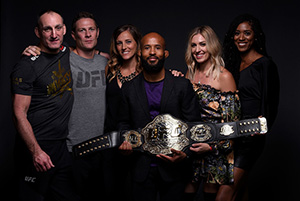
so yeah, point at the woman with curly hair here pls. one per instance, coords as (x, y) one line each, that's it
(257, 79)
(216, 89)
(123, 66)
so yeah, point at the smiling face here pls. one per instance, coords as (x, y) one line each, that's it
(86, 34)
(126, 45)
(51, 31)
(153, 52)
(199, 49)
(153, 48)
(244, 37)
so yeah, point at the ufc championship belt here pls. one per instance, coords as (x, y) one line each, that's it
(165, 132)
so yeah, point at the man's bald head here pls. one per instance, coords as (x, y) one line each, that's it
(153, 53)
(153, 36)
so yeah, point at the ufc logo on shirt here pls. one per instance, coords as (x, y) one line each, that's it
(90, 79)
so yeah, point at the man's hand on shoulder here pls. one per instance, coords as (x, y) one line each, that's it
(32, 51)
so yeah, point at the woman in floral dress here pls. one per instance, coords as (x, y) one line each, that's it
(216, 90)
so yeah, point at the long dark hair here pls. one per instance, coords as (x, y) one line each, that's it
(232, 56)
(116, 60)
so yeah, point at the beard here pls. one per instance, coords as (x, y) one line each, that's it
(152, 69)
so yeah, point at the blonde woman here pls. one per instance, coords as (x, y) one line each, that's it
(216, 90)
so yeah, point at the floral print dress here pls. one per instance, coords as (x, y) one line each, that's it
(216, 106)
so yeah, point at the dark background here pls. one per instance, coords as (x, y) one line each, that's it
(276, 174)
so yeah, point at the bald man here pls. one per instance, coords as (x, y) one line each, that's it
(156, 91)
(42, 102)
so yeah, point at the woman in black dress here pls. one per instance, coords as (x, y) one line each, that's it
(257, 79)
(123, 66)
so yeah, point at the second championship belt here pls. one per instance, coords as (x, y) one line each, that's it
(165, 132)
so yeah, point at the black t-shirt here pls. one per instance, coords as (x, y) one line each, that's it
(47, 79)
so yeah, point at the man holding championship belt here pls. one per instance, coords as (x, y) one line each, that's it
(160, 117)
(156, 91)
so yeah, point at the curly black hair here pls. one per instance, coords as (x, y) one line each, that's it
(231, 54)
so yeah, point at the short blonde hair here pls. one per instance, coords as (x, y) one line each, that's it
(214, 48)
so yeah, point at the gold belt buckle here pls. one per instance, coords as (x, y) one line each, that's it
(163, 133)
(201, 133)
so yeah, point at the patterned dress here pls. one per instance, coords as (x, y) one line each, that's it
(216, 106)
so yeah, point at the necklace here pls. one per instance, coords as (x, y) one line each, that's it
(125, 78)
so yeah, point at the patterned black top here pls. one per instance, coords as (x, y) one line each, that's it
(216, 107)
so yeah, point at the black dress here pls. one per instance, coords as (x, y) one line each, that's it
(121, 165)
(113, 99)
(259, 95)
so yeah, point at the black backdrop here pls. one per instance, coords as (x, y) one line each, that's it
(275, 176)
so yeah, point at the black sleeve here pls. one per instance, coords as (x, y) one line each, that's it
(190, 105)
(22, 77)
(271, 92)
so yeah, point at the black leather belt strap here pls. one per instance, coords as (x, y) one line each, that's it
(166, 132)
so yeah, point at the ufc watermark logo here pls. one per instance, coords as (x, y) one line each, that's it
(30, 179)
